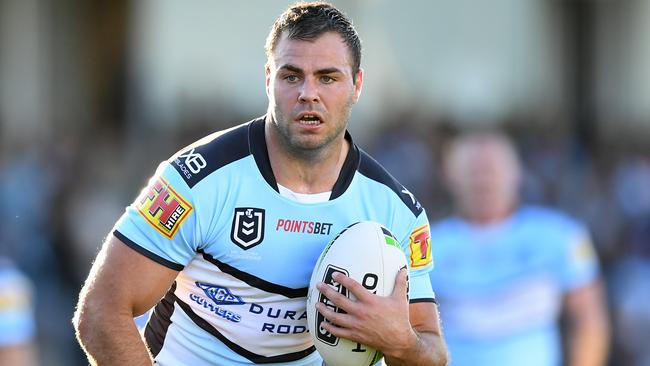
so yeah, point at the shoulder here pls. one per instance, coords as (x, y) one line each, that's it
(374, 171)
(553, 220)
(447, 226)
(198, 160)
(547, 214)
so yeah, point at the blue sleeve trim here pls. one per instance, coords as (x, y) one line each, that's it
(154, 257)
(425, 299)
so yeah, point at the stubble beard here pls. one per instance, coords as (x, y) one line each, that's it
(306, 146)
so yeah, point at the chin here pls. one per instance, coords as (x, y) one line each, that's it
(308, 142)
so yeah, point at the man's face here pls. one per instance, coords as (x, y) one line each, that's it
(311, 91)
(484, 178)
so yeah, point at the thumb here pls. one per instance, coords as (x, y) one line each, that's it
(401, 284)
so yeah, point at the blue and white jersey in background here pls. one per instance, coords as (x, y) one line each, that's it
(246, 253)
(17, 322)
(500, 287)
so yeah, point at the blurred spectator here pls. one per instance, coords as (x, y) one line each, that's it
(506, 273)
(629, 276)
(398, 149)
(30, 178)
(632, 186)
(630, 294)
(17, 323)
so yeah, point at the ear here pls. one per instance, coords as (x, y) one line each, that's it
(267, 78)
(358, 85)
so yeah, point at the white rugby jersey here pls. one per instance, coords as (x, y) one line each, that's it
(245, 253)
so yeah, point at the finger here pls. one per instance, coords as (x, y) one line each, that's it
(337, 331)
(401, 284)
(355, 288)
(334, 296)
(340, 319)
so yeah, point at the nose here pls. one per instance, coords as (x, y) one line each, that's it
(309, 92)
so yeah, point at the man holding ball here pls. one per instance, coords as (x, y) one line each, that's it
(203, 242)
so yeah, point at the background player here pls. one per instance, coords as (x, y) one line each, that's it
(506, 273)
(207, 229)
(17, 323)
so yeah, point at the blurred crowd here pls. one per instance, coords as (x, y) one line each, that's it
(67, 194)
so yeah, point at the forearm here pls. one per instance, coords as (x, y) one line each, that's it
(588, 346)
(427, 348)
(121, 284)
(21, 354)
(112, 340)
(587, 326)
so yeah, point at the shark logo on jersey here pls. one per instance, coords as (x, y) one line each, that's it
(220, 295)
(247, 227)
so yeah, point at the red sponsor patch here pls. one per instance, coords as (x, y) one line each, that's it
(420, 247)
(163, 207)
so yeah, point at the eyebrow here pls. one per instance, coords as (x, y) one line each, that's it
(296, 69)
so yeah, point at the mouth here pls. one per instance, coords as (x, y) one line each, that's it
(309, 119)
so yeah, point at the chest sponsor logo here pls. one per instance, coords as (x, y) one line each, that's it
(247, 227)
(163, 208)
(278, 320)
(420, 246)
(220, 295)
(302, 226)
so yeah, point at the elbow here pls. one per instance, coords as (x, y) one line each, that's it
(89, 319)
(443, 358)
(97, 316)
(83, 322)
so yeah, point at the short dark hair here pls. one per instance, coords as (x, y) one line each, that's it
(309, 20)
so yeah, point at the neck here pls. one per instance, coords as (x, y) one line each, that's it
(488, 217)
(306, 171)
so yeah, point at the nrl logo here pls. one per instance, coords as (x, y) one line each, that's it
(247, 227)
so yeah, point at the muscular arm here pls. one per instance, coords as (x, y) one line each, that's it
(122, 284)
(428, 346)
(18, 355)
(588, 328)
(406, 334)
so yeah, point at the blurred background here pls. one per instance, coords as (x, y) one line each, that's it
(93, 94)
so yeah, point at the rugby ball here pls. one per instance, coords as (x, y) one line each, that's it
(368, 253)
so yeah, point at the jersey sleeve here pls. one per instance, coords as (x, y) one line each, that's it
(580, 263)
(17, 324)
(417, 248)
(162, 222)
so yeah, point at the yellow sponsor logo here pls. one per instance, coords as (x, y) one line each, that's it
(420, 247)
(584, 251)
(163, 207)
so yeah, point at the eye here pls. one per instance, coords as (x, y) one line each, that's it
(325, 79)
(291, 78)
